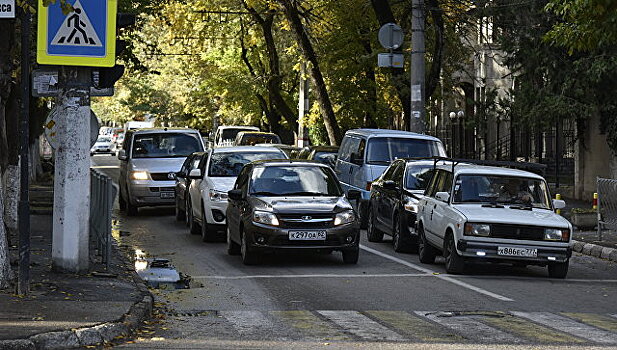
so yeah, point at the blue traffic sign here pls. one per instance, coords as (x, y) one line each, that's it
(85, 36)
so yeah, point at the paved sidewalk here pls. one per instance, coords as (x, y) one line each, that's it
(68, 310)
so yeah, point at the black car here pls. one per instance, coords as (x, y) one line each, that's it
(290, 205)
(393, 205)
(323, 154)
(183, 181)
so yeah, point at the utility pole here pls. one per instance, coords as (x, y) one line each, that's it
(23, 281)
(303, 109)
(417, 122)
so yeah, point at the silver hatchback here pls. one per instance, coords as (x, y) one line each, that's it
(150, 159)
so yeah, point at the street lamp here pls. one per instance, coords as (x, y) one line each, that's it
(452, 116)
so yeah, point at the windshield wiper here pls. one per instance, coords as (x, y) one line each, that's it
(521, 207)
(265, 193)
(385, 162)
(305, 194)
(492, 205)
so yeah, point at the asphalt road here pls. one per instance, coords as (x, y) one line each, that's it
(388, 299)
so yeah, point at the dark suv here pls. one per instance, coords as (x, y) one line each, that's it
(290, 205)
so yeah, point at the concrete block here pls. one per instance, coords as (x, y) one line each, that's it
(596, 251)
(109, 331)
(606, 252)
(613, 255)
(55, 340)
(88, 336)
(578, 246)
(587, 248)
(19, 344)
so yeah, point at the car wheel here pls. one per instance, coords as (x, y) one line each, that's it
(350, 256)
(206, 234)
(194, 228)
(233, 248)
(180, 213)
(426, 252)
(248, 257)
(372, 233)
(363, 216)
(455, 264)
(558, 270)
(121, 201)
(401, 244)
(131, 210)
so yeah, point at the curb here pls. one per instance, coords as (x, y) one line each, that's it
(595, 250)
(95, 335)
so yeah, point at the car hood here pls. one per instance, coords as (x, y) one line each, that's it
(506, 215)
(301, 204)
(222, 184)
(158, 165)
(102, 144)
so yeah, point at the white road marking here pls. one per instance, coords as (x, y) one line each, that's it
(470, 328)
(535, 279)
(433, 273)
(314, 276)
(569, 326)
(249, 322)
(361, 326)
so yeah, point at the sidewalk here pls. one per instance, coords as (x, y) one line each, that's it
(68, 310)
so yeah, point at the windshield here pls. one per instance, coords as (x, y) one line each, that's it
(261, 138)
(103, 139)
(383, 150)
(294, 181)
(326, 157)
(229, 164)
(501, 189)
(418, 176)
(165, 145)
(230, 134)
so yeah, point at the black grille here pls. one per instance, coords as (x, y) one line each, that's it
(306, 221)
(531, 233)
(331, 240)
(161, 177)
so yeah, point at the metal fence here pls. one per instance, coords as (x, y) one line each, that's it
(102, 195)
(607, 205)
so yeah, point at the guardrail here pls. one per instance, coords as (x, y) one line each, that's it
(607, 205)
(102, 195)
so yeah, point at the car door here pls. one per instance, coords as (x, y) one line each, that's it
(234, 208)
(181, 179)
(126, 146)
(381, 197)
(429, 203)
(343, 162)
(357, 177)
(440, 221)
(193, 194)
(393, 195)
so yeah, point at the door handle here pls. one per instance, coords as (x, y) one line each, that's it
(350, 169)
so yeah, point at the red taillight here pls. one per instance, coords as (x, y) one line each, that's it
(369, 185)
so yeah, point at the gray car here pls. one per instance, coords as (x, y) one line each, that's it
(150, 159)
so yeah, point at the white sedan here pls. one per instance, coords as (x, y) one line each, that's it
(103, 145)
(207, 196)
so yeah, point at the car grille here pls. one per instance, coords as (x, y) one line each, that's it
(331, 240)
(162, 189)
(161, 177)
(306, 221)
(531, 233)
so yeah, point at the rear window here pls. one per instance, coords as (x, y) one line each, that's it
(229, 164)
(383, 150)
(418, 177)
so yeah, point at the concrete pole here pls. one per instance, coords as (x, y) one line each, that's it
(303, 109)
(72, 173)
(417, 122)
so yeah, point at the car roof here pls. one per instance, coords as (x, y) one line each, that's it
(291, 162)
(246, 127)
(255, 132)
(324, 148)
(246, 149)
(474, 169)
(163, 130)
(277, 145)
(390, 133)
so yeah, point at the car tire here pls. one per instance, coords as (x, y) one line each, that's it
(363, 216)
(194, 228)
(248, 257)
(558, 270)
(180, 214)
(233, 248)
(426, 252)
(400, 243)
(372, 233)
(350, 256)
(121, 202)
(131, 210)
(207, 233)
(455, 264)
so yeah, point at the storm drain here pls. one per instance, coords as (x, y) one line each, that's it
(159, 273)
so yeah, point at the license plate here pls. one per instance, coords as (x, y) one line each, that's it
(307, 235)
(168, 195)
(509, 251)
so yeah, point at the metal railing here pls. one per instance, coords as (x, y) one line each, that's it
(102, 195)
(607, 205)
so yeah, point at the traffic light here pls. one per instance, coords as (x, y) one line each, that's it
(109, 76)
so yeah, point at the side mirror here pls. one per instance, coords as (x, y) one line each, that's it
(122, 155)
(353, 195)
(559, 204)
(389, 185)
(195, 174)
(442, 196)
(356, 159)
(235, 195)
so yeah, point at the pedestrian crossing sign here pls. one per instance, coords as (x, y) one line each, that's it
(85, 36)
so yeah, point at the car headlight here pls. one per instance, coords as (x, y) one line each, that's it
(218, 196)
(556, 234)
(264, 217)
(140, 175)
(482, 230)
(345, 217)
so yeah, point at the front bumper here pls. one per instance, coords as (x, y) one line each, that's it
(337, 238)
(101, 150)
(144, 193)
(470, 249)
(215, 211)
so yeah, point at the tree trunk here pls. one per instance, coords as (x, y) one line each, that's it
(432, 81)
(332, 127)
